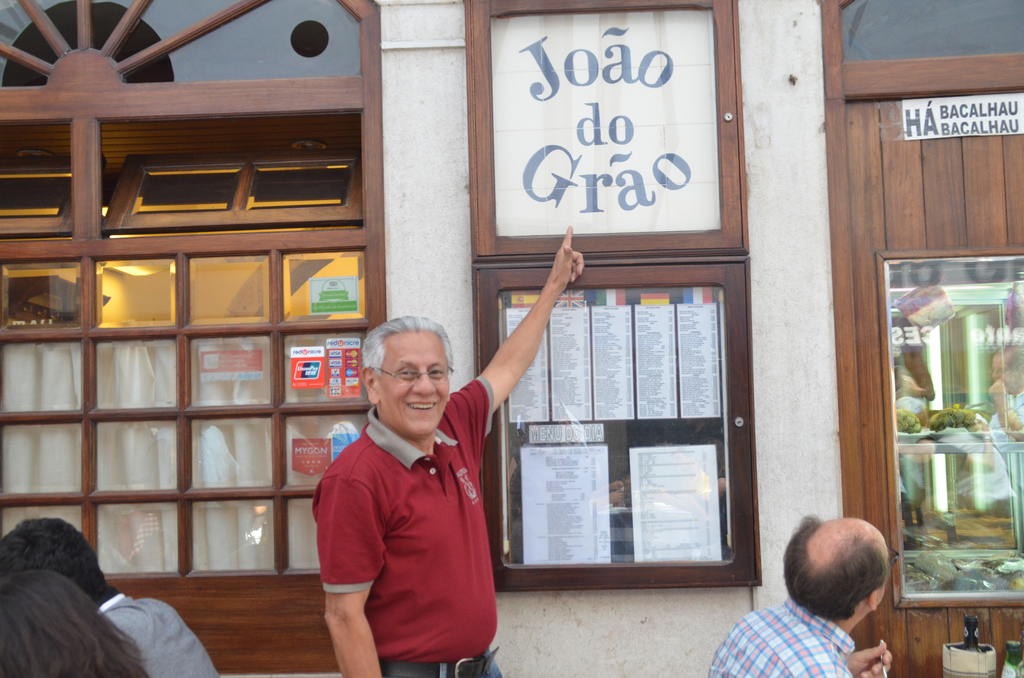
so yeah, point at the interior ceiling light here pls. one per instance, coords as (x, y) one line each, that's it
(34, 153)
(308, 145)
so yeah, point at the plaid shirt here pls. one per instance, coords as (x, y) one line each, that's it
(783, 641)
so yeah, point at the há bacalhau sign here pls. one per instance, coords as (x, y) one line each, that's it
(985, 115)
(605, 121)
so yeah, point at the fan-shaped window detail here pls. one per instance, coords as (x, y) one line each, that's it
(913, 29)
(181, 40)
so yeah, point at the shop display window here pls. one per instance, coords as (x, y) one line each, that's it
(136, 374)
(136, 455)
(324, 286)
(229, 290)
(41, 459)
(302, 553)
(135, 293)
(323, 367)
(42, 376)
(313, 442)
(233, 535)
(230, 371)
(137, 538)
(956, 340)
(231, 453)
(41, 296)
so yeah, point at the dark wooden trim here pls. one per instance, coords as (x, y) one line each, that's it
(504, 8)
(744, 569)
(106, 98)
(124, 27)
(25, 59)
(86, 178)
(46, 27)
(938, 76)
(732, 236)
(187, 35)
(83, 20)
(122, 218)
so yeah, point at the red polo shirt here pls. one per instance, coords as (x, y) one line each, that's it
(411, 528)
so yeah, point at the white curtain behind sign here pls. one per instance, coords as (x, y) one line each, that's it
(138, 537)
(42, 377)
(233, 535)
(40, 459)
(135, 374)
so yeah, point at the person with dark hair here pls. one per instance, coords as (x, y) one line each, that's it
(50, 629)
(168, 647)
(835, 574)
(401, 534)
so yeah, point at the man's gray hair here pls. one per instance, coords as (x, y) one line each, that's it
(373, 348)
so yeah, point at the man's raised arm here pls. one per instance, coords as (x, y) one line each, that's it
(515, 355)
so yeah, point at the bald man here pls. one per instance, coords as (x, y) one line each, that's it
(835, 575)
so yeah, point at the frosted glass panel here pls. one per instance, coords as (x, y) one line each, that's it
(234, 371)
(231, 453)
(38, 459)
(341, 368)
(42, 377)
(229, 289)
(233, 535)
(312, 443)
(135, 293)
(14, 515)
(302, 536)
(138, 538)
(136, 455)
(136, 374)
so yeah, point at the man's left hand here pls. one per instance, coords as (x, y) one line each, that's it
(869, 662)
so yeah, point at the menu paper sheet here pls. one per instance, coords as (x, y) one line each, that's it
(675, 503)
(529, 399)
(656, 362)
(565, 505)
(699, 387)
(570, 364)
(612, 333)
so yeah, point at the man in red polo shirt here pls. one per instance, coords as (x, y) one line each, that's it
(400, 523)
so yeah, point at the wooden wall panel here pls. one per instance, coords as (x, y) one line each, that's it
(942, 161)
(1007, 623)
(1013, 162)
(867, 218)
(927, 630)
(902, 182)
(984, 192)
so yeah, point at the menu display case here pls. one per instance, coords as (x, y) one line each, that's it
(956, 341)
(626, 455)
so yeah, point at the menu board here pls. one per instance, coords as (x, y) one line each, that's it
(605, 359)
(616, 434)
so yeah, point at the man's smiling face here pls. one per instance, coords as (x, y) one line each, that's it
(411, 410)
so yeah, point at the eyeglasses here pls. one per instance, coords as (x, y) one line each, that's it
(894, 557)
(435, 374)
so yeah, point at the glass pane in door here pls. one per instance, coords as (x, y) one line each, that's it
(135, 293)
(233, 535)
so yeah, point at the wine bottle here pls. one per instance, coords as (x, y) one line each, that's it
(1012, 661)
(971, 639)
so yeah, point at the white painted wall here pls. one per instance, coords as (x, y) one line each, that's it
(616, 634)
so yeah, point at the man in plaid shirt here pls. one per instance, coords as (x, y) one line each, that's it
(835, 575)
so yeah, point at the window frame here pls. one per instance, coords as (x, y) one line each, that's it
(269, 610)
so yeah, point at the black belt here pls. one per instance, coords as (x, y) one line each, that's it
(474, 667)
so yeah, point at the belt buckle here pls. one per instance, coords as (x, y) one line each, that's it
(458, 666)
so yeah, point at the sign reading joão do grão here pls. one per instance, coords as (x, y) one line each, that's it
(605, 121)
